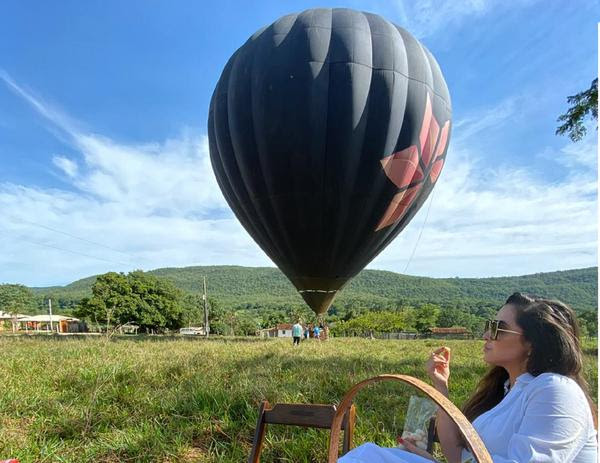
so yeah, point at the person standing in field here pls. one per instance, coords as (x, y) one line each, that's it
(296, 333)
(317, 332)
(532, 405)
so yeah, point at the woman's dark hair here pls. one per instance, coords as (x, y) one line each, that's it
(551, 328)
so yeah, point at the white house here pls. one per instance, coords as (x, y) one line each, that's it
(59, 323)
(281, 330)
(284, 330)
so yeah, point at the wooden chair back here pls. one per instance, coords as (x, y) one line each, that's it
(305, 415)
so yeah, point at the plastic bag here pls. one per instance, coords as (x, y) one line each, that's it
(416, 425)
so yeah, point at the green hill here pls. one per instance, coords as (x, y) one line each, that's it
(236, 286)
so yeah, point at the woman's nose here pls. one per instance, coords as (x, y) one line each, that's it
(486, 335)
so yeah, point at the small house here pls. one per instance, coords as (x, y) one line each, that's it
(281, 330)
(57, 323)
(284, 330)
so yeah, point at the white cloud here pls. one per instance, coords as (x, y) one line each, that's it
(576, 157)
(67, 165)
(502, 221)
(173, 178)
(426, 17)
(158, 204)
(132, 206)
(464, 130)
(51, 113)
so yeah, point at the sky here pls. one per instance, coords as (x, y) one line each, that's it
(104, 160)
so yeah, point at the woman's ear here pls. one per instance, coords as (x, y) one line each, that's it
(529, 348)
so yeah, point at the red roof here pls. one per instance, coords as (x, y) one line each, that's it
(284, 326)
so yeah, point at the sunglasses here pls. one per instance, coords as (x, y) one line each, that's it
(493, 326)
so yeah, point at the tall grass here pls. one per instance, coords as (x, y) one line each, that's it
(167, 400)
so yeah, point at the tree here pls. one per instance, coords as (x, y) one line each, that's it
(582, 104)
(193, 313)
(159, 302)
(247, 323)
(216, 314)
(112, 300)
(426, 317)
(381, 321)
(453, 316)
(588, 322)
(16, 299)
(145, 300)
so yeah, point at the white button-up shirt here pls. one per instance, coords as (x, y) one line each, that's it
(545, 418)
(542, 419)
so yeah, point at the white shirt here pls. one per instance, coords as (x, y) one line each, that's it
(541, 419)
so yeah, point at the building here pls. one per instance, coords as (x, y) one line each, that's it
(10, 321)
(284, 330)
(10, 316)
(192, 331)
(56, 323)
(454, 332)
(281, 330)
(129, 328)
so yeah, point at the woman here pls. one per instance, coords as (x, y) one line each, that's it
(531, 406)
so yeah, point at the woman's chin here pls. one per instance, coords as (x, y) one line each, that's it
(487, 358)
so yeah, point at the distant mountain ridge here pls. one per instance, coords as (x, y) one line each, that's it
(247, 286)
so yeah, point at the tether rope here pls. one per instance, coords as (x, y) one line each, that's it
(420, 233)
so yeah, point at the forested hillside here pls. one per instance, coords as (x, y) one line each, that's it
(248, 287)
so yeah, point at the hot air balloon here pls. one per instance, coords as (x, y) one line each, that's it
(328, 130)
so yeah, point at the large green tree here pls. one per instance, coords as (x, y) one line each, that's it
(582, 104)
(454, 316)
(113, 301)
(159, 302)
(426, 317)
(380, 321)
(193, 310)
(138, 298)
(16, 299)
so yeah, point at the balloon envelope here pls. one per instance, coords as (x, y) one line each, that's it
(328, 130)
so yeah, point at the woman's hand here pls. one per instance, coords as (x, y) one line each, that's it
(412, 448)
(438, 368)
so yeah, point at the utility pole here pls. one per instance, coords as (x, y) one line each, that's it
(206, 327)
(50, 312)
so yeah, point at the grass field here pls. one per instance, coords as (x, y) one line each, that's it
(163, 399)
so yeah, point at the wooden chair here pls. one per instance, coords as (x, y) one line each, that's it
(471, 438)
(305, 415)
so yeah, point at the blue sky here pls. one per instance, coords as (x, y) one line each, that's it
(104, 159)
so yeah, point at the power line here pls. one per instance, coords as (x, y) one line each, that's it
(72, 236)
(63, 249)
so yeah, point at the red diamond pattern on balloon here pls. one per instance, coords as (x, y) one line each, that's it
(405, 171)
(401, 166)
(398, 206)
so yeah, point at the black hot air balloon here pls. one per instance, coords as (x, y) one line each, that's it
(328, 130)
